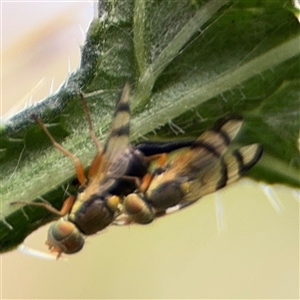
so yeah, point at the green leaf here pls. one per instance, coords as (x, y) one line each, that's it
(189, 63)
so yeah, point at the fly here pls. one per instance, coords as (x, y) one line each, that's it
(114, 172)
(205, 167)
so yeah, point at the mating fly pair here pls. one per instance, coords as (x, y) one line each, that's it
(114, 172)
(121, 189)
(207, 165)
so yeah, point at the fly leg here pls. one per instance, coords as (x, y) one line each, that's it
(89, 121)
(96, 163)
(161, 160)
(67, 205)
(78, 165)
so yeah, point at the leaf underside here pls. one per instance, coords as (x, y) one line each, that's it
(189, 63)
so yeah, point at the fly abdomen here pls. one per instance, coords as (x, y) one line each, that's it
(131, 164)
(153, 148)
(138, 164)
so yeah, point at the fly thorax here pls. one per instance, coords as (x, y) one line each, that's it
(93, 215)
(165, 195)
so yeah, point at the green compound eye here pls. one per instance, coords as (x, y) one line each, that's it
(64, 237)
(138, 209)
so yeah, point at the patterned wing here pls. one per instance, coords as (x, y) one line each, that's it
(230, 167)
(112, 160)
(118, 138)
(97, 204)
(209, 165)
(206, 152)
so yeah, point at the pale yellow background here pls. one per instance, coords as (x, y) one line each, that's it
(251, 251)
